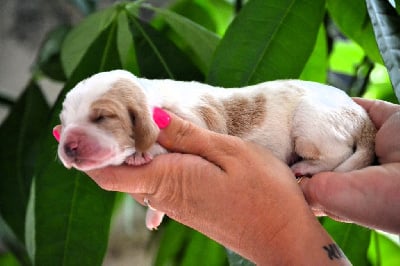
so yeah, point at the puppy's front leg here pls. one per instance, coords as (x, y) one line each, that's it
(139, 158)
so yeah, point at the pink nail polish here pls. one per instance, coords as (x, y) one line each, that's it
(161, 118)
(56, 134)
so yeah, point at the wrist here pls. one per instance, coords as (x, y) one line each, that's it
(300, 241)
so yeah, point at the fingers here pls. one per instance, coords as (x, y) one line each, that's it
(143, 179)
(367, 196)
(379, 111)
(160, 175)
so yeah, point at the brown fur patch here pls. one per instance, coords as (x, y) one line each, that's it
(123, 112)
(213, 114)
(244, 113)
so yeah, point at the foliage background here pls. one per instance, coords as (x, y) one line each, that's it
(53, 216)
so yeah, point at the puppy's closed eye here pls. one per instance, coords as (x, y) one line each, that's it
(100, 115)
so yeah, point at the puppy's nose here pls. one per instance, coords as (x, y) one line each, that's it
(71, 149)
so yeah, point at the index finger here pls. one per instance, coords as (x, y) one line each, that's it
(146, 179)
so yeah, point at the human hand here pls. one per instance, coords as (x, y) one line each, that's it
(369, 196)
(233, 191)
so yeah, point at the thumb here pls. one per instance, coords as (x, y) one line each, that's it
(367, 196)
(328, 194)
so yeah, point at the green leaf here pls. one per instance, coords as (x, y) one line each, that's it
(195, 12)
(352, 19)
(386, 23)
(345, 56)
(7, 259)
(203, 251)
(72, 214)
(351, 238)
(379, 86)
(158, 57)
(81, 37)
(221, 11)
(18, 151)
(48, 59)
(181, 245)
(263, 42)
(397, 5)
(126, 48)
(316, 66)
(201, 41)
(384, 251)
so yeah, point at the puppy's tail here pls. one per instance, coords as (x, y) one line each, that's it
(364, 153)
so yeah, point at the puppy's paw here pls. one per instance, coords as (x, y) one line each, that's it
(304, 168)
(309, 167)
(139, 158)
(153, 218)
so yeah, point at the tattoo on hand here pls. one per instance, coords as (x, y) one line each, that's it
(333, 251)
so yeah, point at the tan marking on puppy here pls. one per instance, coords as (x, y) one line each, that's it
(212, 112)
(243, 114)
(123, 112)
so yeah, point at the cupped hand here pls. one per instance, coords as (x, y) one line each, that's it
(369, 196)
(233, 191)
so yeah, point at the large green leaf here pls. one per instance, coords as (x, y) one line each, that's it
(71, 213)
(201, 41)
(351, 238)
(351, 17)
(316, 68)
(158, 57)
(386, 23)
(48, 59)
(181, 245)
(19, 133)
(267, 40)
(80, 38)
(126, 46)
(384, 251)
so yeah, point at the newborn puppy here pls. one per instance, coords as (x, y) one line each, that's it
(107, 120)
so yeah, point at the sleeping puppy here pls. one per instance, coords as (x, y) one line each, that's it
(107, 120)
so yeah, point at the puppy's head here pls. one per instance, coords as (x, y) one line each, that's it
(105, 119)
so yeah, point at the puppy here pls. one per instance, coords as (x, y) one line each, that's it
(107, 120)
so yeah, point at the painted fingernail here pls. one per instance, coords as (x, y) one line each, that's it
(161, 118)
(56, 133)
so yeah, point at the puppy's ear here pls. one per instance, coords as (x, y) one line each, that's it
(144, 129)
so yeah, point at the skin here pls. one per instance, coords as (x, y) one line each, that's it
(369, 196)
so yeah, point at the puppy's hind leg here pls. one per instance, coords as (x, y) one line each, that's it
(318, 158)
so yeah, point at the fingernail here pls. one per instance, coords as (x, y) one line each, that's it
(56, 134)
(161, 118)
